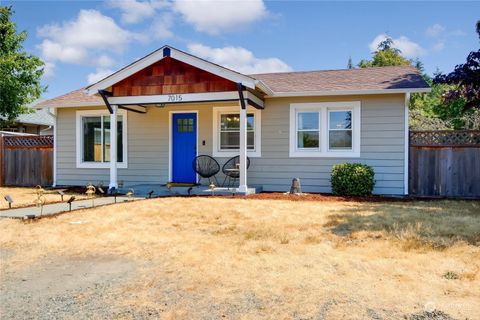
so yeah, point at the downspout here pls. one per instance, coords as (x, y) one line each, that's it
(407, 149)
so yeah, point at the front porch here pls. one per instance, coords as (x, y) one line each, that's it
(186, 88)
(159, 190)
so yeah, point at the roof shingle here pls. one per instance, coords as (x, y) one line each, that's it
(376, 78)
(362, 79)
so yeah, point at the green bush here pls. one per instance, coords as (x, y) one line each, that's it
(352, 179)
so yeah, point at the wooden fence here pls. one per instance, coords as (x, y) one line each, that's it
(26, 160)
(445, 164)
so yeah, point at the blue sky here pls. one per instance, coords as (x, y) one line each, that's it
(82, 41)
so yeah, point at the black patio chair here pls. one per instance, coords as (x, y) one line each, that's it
(206, 167)
(231, 170)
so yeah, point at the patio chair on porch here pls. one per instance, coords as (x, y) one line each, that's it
(206, 167)
(231, 170)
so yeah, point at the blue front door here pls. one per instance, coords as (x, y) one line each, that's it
(184, 147)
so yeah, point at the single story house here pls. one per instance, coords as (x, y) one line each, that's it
(145, 123)
(35, 122)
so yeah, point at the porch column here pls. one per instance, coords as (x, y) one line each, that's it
(113, 148)
(243, 148)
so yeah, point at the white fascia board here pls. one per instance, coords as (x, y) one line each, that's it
(72, 105)
(347, 92)
(263, 86)
(174, 98)
(175, 54)
(126, 72)
(254, 98)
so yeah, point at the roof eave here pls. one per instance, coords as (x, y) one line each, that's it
(347, 92)
(167, 51)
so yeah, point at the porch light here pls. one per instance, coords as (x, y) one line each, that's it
(130, 194)
(212, 187)
(72, 198)
(40, 201)
(9, 200)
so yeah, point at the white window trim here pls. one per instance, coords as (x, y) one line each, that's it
(216, 152)
(323, 108)
(79, 137)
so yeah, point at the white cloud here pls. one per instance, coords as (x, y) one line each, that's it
(408, 48)
(441, 34)
(136, 11)
(239, 59)
(98, 75)
(439, 46)
(161, 27)
(215, 17)
(89, 39)
(435, 31)
(48, 70)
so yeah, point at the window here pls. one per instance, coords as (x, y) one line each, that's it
(340, 130)
(308, 130)
(226, 127)
(93, 139)
(184, 125)
(230, 131)
(325, 129)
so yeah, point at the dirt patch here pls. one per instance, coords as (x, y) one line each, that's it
(56, 287)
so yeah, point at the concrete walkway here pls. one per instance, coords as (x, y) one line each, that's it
(140, 191)
(50, 209)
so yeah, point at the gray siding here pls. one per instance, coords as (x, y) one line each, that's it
(382, 146)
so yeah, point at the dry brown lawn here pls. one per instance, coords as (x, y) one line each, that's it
(23, 197)
(214, 258)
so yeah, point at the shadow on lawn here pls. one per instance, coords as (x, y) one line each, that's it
(437, 224)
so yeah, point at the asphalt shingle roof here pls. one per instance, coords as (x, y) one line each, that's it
(362, 79)
(376, 78)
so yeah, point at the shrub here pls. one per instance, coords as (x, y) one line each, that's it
(352, 179)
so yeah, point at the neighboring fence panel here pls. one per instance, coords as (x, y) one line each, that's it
(445, 164)
(27, 160)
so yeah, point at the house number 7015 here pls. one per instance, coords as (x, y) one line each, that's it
(174, 97)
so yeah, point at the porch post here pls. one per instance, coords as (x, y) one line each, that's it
(243, 148)
(113, 148)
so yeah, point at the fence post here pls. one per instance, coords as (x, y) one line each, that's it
(1, 160)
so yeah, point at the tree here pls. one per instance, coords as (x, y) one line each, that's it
(350, 63)
(20, 72)
(464, 79)
(386, 55)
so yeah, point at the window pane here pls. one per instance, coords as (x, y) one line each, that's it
(120, 139)
(340, 139)
(308, 139)
(307, 120)
(340, 120)
(250, 122)
(231, 121)
(106, 138)
(92, 139)
(231, 140)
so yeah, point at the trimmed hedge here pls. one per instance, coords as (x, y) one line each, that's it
(352, 179)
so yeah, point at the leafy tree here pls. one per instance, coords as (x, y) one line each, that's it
(464, 80)
(20, 72)
(386, 55)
